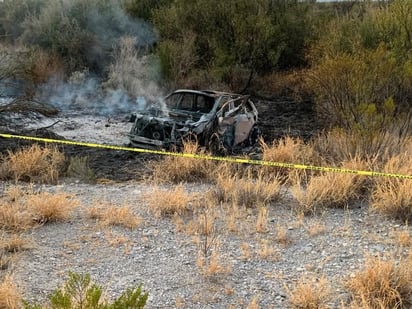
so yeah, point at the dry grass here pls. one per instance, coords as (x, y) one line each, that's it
(14, 216)
(206, 222)
(5, 261)
(338, 145)
(176, 170)
(382, 284)
(316, 228)
(209, 260)
(287, 150)
(234, 216)
(282, 236)
(249, 191)
(254, 303)
(203, 222)
(262, 220)
(329, 189)
(34, 164)
(48, 207)
(404, 238)
(213, 264)
(10, 297)
(267, 252)
(165, 202)
(109, 215)
(393, 196)
(246, 251)
(310, 294)
(13, 243)
(20, 209)
(14, 193)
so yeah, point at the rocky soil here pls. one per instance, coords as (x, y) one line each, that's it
(162, 254)
(164, 258)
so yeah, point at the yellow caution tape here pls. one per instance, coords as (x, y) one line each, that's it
(208, 157)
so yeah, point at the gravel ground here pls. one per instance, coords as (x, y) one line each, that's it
(163, 258)
(163, 254)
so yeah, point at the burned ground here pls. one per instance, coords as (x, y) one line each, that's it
(277, 118)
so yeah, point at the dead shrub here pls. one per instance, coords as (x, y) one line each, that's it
(35, 163)
(109, 214)
(13, 243)
(165, 202)
(10, 297)
(287, 150)
(42, 66)
(47, 207)
(329, 189)
(393, 196)
(249, 191)
(267, 252)
(5, 171)
(262, 220)
(403, 238)
(14, 216)
(283, 237)
(382, 284)
(174, 169)
(311, 293)
(212, 265)
(316, 228)
(131, 71)
(14, 193)
(393, 199)
(339, 145)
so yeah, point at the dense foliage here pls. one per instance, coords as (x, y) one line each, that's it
(232, 39)
(355, 56)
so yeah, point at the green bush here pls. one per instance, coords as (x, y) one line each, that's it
(361, 74)
(12, 15)
(80, 293)
(143, 8)
(235, 39)
(371, 35)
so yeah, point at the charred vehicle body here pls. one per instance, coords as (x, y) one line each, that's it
(218, 121)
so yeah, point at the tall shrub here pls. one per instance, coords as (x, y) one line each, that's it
(83, 32)
(361, 74)
(235, 40)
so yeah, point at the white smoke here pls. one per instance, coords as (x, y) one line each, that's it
(131, 85)
(131, 80)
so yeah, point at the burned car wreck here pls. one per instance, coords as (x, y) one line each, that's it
(219, 121)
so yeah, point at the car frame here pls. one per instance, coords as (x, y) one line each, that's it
(221, 122)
